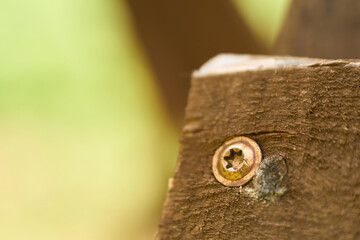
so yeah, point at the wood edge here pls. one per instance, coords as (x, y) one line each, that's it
(231, 63)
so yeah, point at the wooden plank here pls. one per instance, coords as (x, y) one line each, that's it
(306, 111)
(321, 28)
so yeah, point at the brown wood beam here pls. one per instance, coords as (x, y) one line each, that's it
(305, 116)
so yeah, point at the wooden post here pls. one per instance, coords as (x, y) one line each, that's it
(305, 110)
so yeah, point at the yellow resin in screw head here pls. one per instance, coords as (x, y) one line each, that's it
(236, 161)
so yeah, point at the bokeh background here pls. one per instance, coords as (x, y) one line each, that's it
(87, 137)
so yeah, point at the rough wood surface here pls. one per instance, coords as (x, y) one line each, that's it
(321, 28)
(310, 114)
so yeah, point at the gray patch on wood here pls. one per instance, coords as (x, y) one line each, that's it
(269, 182)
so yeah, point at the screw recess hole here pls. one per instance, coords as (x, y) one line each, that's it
(234, 159)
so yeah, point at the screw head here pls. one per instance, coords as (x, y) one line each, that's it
(236, 161)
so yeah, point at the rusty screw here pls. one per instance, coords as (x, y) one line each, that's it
(236, 161)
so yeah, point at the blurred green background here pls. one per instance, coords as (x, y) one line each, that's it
(86, 145)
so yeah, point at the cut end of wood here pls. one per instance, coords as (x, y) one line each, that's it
(230, 63)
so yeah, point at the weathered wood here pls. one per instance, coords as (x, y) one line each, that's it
(305, 110)
(180, 35)
(321, 28)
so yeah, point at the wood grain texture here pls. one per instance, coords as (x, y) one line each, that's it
(321, 28)
(309, 115)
